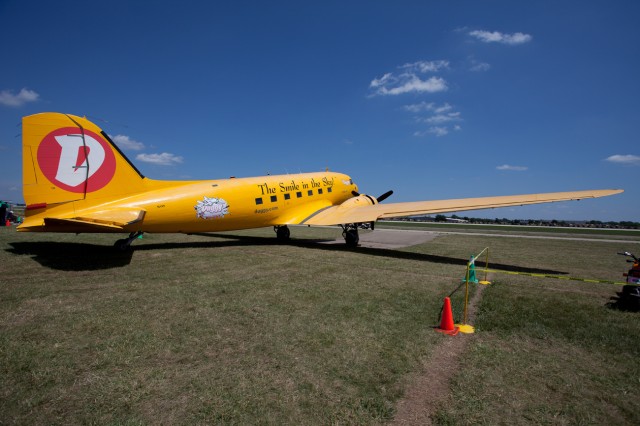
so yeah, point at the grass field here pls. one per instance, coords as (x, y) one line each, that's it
(236, 329)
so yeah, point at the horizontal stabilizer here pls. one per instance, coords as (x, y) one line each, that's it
(113, 220)
(77, 225)
(116, 217)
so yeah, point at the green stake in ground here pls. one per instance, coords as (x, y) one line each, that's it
(472, 271)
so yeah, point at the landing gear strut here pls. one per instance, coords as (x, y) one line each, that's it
(350, 234)
(125, 243)
(282, 233)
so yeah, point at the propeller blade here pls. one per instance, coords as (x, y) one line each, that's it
(384, 196)
(355, 194)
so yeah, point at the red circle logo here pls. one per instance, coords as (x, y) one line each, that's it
(76, 161)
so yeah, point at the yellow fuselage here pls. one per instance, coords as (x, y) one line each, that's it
(214, 205)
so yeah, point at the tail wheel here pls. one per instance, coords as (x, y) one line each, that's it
(125, 243)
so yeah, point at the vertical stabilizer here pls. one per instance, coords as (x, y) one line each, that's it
(68, 158)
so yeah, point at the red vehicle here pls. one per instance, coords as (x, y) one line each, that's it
(630, 297)
(633, 276)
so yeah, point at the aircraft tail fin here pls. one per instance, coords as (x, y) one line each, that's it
(68, 158)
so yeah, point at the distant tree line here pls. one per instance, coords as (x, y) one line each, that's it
(529, 222)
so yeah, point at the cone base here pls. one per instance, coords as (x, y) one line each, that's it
(448, 332)
(485, 282)
(466, 328)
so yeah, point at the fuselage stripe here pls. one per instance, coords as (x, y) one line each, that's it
(312, 215)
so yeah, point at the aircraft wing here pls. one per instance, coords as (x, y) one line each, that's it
(352, 213)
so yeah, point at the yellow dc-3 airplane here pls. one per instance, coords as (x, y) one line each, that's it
(75, 179)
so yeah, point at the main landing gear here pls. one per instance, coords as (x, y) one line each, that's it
(282, 233)
(125, 243)
(350, 234)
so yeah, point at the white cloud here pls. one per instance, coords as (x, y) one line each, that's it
(422, 106)
(512, 168)
(164, 159)
(479, 66)
(498, 37)
(127, 144)
(9, 99)
(443, 118)
(624, 159)
(410, 80)
(408, 83)
(426, 66)
(444, 108)
(377, 82)
(438, 131)
(428, 106)
(439, 115)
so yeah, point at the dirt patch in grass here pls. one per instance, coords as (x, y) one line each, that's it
(430, 388)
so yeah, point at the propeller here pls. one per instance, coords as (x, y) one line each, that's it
(380, 198)
(384, 196)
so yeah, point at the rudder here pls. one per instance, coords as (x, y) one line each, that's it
(68, 158)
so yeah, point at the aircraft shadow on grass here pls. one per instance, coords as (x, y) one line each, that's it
(83, 256)
(71, 256)
(66, 256)
(322, 244)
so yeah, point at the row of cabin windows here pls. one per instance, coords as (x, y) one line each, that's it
(287, 196)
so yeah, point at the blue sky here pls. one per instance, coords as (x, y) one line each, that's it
(431, 99)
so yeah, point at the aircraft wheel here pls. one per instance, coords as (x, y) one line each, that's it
(351, 237)
(283, 233)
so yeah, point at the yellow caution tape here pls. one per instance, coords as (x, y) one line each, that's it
(558, 277)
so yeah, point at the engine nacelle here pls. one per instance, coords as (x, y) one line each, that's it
(359, 201)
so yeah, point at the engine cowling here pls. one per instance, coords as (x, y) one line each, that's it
(358, 201)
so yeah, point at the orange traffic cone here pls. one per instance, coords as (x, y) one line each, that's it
(446, 323)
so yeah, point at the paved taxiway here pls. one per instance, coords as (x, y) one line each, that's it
(397, 238)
